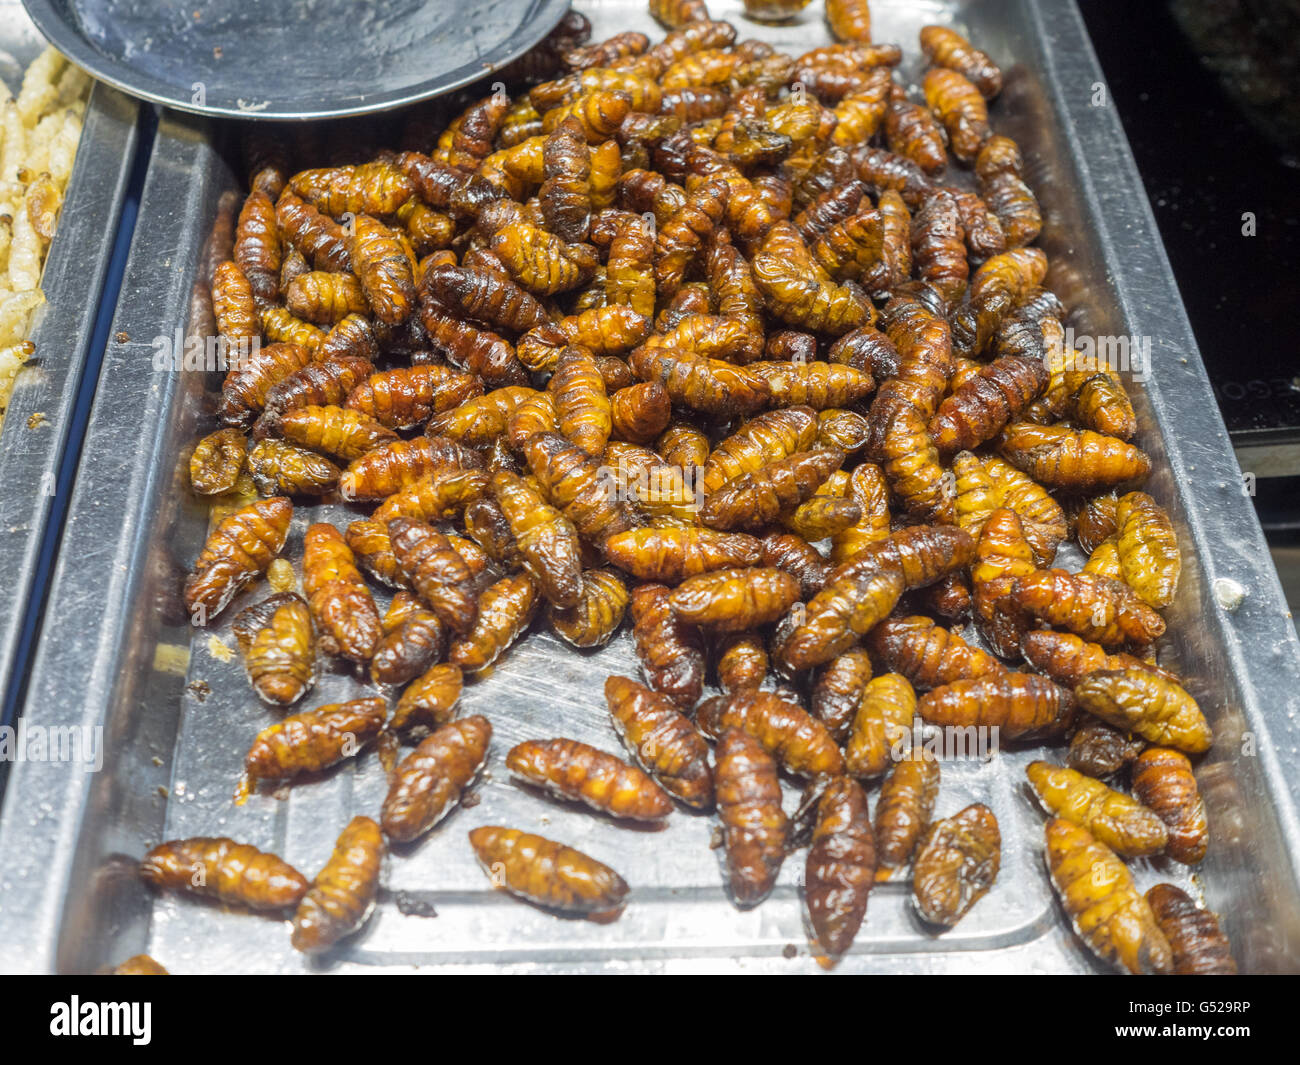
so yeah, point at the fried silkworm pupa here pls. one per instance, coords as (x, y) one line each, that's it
(232, 304)
(597, 614)
(960, 107)
(819, 385)
(797, 739)
(927, 654)
(1096, 521)
(754, 827)
(823, 516)
(881, 719)
(1067, 658)
(436, 571)
(741, 662)
(235, 874)
(620, 46)
(938, 246)
(674, 14)
(945, 47)
(325, 298)
(1104, 561)
(541, 262)
(217, 462)
(841, 866)
(732, 600)
(1002, 556)
(246, 387)
(755, 500)
(1163, 781)
(860, 593)
(311, 741)
(374, 550)
(1098, 609)
(565, 195)
(1101, 403)
(582, 773)
(407, 396)
(798, 558)
(474, 350)
(376, 188)
(669, 649)
(1006, 194)
(340, 602)
(482, 294)
(140, 965)
(700, 383)
(763, 439)
(900, 442)
(236, 552)
(429, 700)
(1148, 549)
(257, 247)
(838, 690)
(1150, 704)
(318, 237)
(1099, 750)
(799, 292)
(581, 405)
(1198, 944)
(578, 486)
(343, 893)
(435, 496)
(977, 409)
(1072, 460)
(283, 469)
(1017, 704)
(849, 20)
(1103, 904)
(347, 434)
(505, 610)
(478, 422)
(546, 540)
(671, 555)
(640, 412)
(429, 782)
(956, 865)
(1126, 826)
(904, 808)
(911, 130)
(489, 530)
(663, 741)
(278, 645)
(548, 873)
(869, 489)
(383, 269)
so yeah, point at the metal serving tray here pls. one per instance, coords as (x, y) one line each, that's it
(284, 58)
(40, 420)
(177, 713)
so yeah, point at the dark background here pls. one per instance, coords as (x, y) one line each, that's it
(1204, 164)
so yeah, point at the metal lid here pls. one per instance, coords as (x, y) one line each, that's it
(286, 59)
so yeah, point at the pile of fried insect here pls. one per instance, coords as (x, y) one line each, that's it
(702, 333)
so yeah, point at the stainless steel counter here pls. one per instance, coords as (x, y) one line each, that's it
(40, 418)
